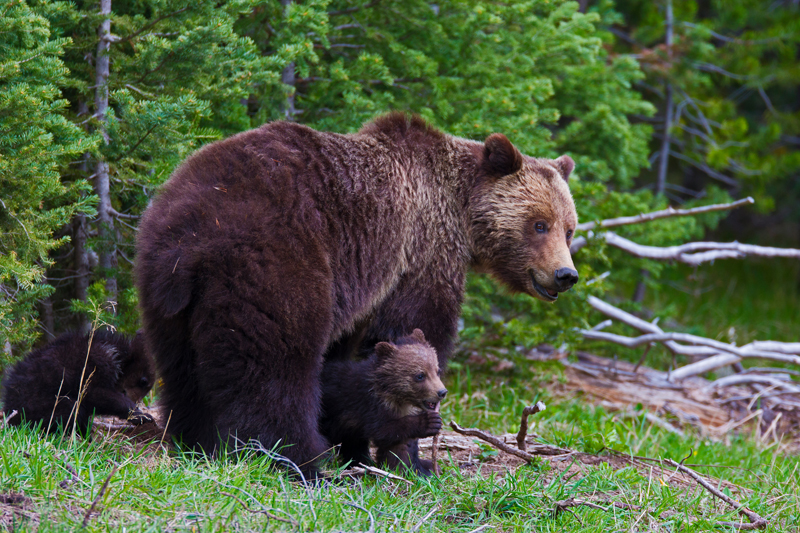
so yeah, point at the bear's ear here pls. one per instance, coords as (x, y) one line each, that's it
(500, 156)
(565, 165)
(385, 349)
(417, 334)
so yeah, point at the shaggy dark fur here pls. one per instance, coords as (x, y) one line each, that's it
(267, 250)
(43, 387)
(388, 398)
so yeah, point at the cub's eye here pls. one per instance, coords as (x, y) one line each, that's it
(540, 227)
(569, 234)
(143, 383)
(420, 377)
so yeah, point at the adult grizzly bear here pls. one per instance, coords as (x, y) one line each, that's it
(267, 250)
(388, 398)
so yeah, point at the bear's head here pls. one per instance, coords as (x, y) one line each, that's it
(407, 375)
(523, 219)
(137, 373)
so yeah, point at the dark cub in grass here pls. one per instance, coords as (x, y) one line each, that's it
(389, 398)
(46, 383)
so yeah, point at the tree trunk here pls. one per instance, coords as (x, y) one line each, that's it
(80, 237)
(48, 321)
(102, 184)
(288, 79)
(663, 161)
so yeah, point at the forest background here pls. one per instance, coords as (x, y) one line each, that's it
(659, 103)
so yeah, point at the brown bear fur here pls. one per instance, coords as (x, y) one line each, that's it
(388, 398)
(118, 373)
(267, 250)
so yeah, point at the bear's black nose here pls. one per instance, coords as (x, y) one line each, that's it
(442, 393)
(566, 278)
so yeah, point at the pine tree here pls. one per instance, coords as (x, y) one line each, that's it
(36, 140)
(155, 80)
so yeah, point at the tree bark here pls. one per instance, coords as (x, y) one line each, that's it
(48, 321)
(663, 162)
(80, 237)
(288, 79)
(102, 184)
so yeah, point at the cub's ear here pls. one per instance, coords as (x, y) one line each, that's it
(565, 165)
(500, 156)
(417, 334)
(385, 349)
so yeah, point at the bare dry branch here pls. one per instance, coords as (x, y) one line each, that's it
(775, 346)
(740, 379)
(100, 493)
(539, 449)
(756, 521)
(523, 424)
(717, 354)
(647, 327)
(632, 342)
(266, 513)
(665, 213)
(383, 473)
(695, 253)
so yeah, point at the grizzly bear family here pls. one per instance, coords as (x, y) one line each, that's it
(280, 248)
(112, 371)
(388, 398)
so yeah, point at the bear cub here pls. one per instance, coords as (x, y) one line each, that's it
(45, 384)
(388, 398)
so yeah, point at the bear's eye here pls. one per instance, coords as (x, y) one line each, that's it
(420, 376)
(143, 383)
(569, 234)
(540, 227)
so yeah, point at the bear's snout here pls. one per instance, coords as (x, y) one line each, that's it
(566, 278)
(442, 393)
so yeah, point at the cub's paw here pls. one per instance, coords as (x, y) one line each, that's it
(433, 423)
(137, 418)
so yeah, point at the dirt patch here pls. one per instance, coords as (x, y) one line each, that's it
(17, 509)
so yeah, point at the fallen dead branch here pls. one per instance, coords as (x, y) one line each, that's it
(539, 449)
(716, 354)
(695, 253)
(756, 521)
(523, 424)
(97, 498)
(383, 473)
(266, 513)
(665, 213)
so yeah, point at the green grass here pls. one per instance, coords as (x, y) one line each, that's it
(156, 490)
(758, 297)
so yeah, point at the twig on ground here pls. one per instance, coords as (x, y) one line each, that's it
(665, 213)
(523, 424)
(100, 493)
(539, 449)
(756, 521)
(72, 473)
(425, 518)
(261, 511)
(383, 473)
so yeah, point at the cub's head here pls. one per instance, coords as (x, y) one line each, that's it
(523, 219)
(407, 376)
(137, 372)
